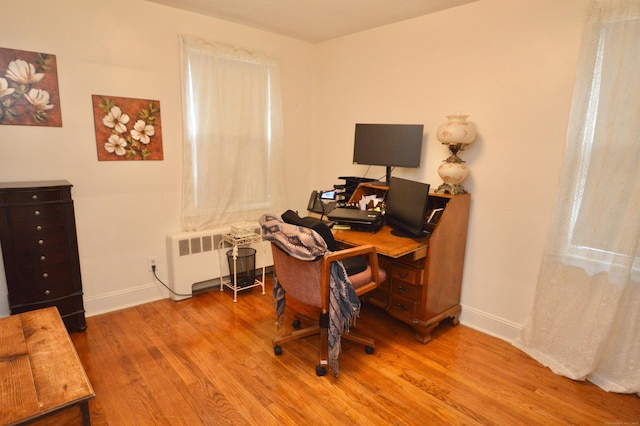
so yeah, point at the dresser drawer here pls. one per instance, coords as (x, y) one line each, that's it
(25, 215)
(33, 246)
(37, 226)
(41, 257)
(66, 305)
(43, 283)
(35, 195)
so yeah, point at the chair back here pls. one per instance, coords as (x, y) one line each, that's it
(300, 279)
(298, 254)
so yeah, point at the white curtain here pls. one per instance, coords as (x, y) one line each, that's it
(232, 153)
(585, 322)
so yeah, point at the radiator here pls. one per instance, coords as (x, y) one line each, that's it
(196, 259)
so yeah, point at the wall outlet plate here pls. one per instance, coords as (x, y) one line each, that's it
(152, 261)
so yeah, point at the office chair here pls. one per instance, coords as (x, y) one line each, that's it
(312, 275)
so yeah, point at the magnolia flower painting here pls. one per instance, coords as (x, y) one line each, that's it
(29, 92)
(127, 129)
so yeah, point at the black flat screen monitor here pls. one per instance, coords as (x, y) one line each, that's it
(389, 145)
(406, 207)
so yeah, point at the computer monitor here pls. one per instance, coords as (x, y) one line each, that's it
(389, 145)
(406, 207)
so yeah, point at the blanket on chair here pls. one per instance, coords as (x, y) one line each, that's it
(306, 244)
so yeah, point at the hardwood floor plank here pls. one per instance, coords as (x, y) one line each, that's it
(210, 361)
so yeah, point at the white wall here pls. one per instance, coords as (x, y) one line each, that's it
(127, 48)
(510, 65)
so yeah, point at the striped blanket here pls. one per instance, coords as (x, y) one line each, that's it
(306, 244)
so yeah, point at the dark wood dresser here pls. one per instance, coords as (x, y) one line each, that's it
(40, 249)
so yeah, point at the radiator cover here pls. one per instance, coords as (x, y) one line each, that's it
(192, 258)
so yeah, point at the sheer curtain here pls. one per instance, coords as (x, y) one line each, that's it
(585, 322)
(232, 153)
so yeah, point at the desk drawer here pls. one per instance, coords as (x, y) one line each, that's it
(404, 309)
(405, 300)
(407, 274)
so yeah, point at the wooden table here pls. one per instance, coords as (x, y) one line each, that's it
(40, 372)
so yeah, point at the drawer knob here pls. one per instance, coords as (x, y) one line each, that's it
(47, 292)
(37, 213)
(403, 290)
(39, 227)
(45, 275)
(41, 242)
(43, 258)
(34, 197)
(403, 307)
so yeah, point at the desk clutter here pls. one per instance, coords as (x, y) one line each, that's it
(407, 206)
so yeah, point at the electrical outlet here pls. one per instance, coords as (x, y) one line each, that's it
(153, 261)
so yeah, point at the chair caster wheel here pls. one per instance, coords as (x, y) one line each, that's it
(369, 349)
(296, 324)
(320, 370)
(277, 349)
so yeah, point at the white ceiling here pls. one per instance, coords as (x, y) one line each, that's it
(314, 21)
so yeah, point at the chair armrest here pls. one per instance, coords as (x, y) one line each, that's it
(350, 252)
(366, 249)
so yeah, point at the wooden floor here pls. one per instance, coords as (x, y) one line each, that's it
(207, 360)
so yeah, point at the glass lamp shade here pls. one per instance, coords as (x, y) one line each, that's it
(457, 133)
(457, 130)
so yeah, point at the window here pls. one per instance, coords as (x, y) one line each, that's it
(232, 135)
(605, 129)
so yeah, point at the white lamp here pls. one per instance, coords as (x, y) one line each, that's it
(457, 133)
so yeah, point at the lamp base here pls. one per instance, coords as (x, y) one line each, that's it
(452, 189)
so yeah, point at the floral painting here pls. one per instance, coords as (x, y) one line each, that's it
(127, 129)
(29, 93)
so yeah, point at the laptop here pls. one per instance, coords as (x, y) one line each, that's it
(346, 215)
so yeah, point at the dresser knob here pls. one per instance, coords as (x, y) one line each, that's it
(41, 242)
(34, 197)
(43, 258)
(39, 228)
(47, 292)
(37, 213)
(403, 307)
(45, 275)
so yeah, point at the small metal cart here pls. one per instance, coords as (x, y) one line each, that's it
(236, 241)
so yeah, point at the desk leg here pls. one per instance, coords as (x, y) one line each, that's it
(86, 418)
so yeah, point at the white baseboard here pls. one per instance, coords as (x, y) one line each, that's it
(116, 300)
(489, 324)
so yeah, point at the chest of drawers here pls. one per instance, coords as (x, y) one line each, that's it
(40, 249)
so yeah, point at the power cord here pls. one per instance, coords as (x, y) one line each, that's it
(153, 269)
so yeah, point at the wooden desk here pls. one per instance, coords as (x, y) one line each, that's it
(385, 243)
(40, 372)
(424, 276)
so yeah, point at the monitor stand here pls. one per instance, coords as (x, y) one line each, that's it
(405, 234)
(388, 175)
